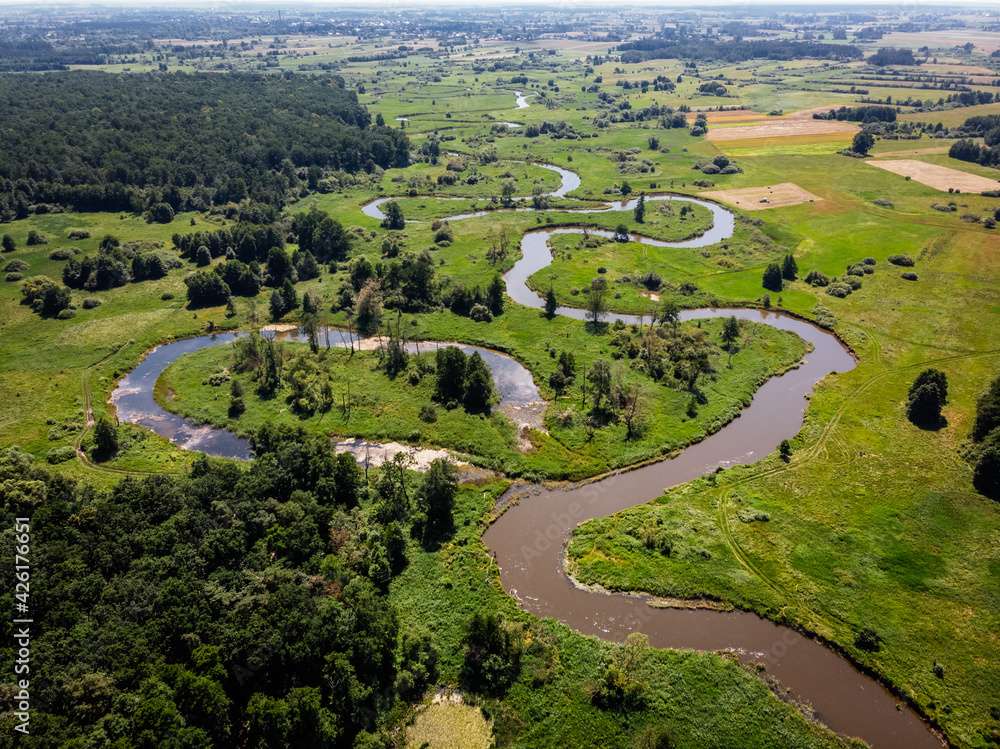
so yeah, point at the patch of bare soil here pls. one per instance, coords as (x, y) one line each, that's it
(764, 197)
(939, 177)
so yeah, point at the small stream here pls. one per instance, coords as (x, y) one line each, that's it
(528, 540)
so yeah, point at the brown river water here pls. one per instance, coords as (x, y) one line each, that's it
(529, 539)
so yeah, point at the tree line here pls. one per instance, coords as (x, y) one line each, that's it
(691, 48)
(129, 143)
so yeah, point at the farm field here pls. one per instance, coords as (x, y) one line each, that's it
(677, 347)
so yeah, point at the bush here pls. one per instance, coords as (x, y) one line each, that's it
(815, 278)
(16, 266)
(904, 260)
(908, 276)
(480, 313)
(78, 234)
(66, 314)
(60, 454)
(63, 253)
(839, 289)
(13, 276)
(651, 281)
(44, 296)
(428, 414)
(986, 473)
(868, 640)
(36, 238)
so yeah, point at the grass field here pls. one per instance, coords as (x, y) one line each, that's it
(873, 523)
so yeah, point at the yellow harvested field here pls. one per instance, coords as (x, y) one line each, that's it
(984, 41)
(939, 177)
(761, 198)
(800, 123)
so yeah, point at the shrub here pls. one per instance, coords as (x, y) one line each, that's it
(868, 640)
(44, 296)
(36, 238)
(651, 281)
(904, 260)
(78, 234)
(16, 266)
(60, 454)
(66, 314)
(839, 289)
(428, 414)
(815, 278)
(480, 313)
(13, 276)
(986, 473)
(908, 276)
(63, 253)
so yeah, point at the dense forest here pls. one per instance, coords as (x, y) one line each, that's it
(229, 607)
(190, 141)
(733, 51)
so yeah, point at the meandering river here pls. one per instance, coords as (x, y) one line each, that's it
(529, 539)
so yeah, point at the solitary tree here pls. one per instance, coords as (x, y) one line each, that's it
(236, 404)
(670, 314)
(478, 384)
(928, 393)
(277, 305)
(494, 296)
(393, 217)
(772, 277)
(450, 365)
(863, 142)
(105, 440)
(640, 209)
(789, 268)
(309, 327)
(599, 379)
(730, 332)
(8, 243)
(621, 233)
(597, 304)
(368, 309)
(436, 499)
(551, 305)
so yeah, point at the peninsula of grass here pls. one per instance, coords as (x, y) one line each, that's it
(370, 404)
(549, 705)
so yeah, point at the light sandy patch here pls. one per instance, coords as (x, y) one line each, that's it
(448, 723)
(761, 198)
(374, 454)
(939, 177)
(779, 127)
(650, 295)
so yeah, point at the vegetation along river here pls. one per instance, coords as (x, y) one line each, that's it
(529, 539)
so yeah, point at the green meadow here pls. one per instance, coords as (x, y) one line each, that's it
(872, 523)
